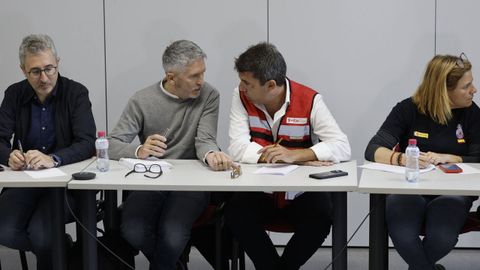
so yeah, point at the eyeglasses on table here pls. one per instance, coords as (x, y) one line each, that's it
(153, 171)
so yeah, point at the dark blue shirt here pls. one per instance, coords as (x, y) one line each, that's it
(41, 134)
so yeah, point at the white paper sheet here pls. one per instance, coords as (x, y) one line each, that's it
(391, 168)
(283, 169)
(52, 172)
(130, 162)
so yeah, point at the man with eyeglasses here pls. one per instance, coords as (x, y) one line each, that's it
(175, 118)
(52, 124)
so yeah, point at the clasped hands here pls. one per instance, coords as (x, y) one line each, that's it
(33, 159)
(428, 158)
(276, 153)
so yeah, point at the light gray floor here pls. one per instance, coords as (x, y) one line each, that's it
(460, 259)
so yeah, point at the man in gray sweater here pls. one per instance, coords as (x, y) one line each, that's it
(175, 118)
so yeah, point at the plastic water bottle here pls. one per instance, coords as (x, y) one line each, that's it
(101, 144)
(412, 153)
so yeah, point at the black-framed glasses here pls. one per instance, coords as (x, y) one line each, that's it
(461, 60)
(153, 171)
(37, 72)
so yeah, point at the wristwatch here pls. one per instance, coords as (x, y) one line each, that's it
(57, 161)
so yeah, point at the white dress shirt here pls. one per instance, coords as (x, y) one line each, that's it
(334, 145)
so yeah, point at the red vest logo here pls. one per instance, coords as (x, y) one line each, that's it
(297, 121)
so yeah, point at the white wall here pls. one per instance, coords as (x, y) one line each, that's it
(362, 56)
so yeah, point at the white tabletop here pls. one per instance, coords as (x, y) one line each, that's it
(194, 175)
(9, 178)
(435, 182)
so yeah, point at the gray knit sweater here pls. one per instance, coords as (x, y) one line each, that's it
(192, 123)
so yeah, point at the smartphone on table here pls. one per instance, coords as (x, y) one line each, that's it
(450, 168)
(329, 174)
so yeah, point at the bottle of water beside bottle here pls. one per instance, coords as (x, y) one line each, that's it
(101, 144)
(412, 169)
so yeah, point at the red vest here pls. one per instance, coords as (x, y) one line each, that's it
(295, 127)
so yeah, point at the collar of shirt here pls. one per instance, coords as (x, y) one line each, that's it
(160, 84)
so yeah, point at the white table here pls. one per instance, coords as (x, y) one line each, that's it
(20, 179)
(379, 183)
(192, 175)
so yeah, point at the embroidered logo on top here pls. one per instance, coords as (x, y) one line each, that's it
(459, 133)
(420, 134)
(295, 120)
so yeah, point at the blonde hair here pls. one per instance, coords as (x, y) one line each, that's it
(442, 74)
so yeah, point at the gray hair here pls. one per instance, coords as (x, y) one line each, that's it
(180, 54)
(33, 44)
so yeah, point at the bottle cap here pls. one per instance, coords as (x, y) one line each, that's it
(412, 141)
(101, 133)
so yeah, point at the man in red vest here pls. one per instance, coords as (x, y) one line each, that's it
(276, 120)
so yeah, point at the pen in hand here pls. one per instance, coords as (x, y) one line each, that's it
(278, 142)
(20, 147)
(166, 132)
(262, 158)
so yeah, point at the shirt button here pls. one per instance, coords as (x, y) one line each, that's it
(43, 128)
(43, 147)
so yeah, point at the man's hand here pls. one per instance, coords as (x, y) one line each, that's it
(316, 163)
(219, 161)
(37, 160)
(16, 161)
(155, 145)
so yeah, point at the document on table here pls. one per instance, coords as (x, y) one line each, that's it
(52, 172)
(391, 168)
(281, 169)
(130, 162)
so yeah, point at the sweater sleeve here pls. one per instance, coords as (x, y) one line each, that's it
(206, 138)
(128, 127)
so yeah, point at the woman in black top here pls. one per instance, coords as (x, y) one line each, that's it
(446, 123)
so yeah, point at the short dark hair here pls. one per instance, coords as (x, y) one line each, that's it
(264, 61)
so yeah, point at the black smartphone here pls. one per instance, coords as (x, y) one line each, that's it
(329, 174)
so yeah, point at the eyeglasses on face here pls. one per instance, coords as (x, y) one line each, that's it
(461, 60)
(37, 72)
(153, 171)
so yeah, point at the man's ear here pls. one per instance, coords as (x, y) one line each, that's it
(23, 70)
(271, 84)
(170, 76)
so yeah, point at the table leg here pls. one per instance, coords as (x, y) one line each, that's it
(88, 214)
(59, 254)
(111, 214)
(339, 230)
(378, 250)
